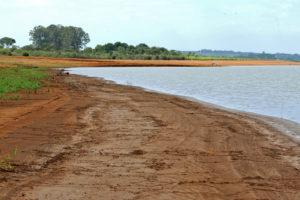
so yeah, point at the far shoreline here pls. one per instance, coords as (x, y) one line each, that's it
(48, 62)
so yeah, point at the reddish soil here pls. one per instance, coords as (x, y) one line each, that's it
(89, 139)
(10, 61)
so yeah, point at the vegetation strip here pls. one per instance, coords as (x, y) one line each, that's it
(70, 42)
(15, 79)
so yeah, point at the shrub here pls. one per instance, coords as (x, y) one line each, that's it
(25, 54)
(147, 57)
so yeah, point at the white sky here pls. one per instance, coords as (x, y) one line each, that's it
(245, 25)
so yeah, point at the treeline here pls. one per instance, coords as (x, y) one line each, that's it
(70, 42)
(117, 50)
(249, 55)
(121, 50)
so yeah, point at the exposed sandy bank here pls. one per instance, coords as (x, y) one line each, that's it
(13, 61)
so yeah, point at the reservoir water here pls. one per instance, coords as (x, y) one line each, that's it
(267, 90)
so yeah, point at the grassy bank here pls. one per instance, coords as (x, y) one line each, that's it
(13, 80)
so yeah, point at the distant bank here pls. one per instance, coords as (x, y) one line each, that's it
(247, 55)
(19, 61)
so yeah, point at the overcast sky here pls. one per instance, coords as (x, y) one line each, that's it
(244, 25)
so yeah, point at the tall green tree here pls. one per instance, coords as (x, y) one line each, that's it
(39, 37)
(7, 42)
(109, 47)
(59, 37)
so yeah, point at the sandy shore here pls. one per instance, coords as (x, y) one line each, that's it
(89, 139)
(17, 61)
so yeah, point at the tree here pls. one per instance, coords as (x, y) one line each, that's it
(99, 48)
(7, 42)
(109, 47)
(28, 48)
(88, 50)
(59, 37)
(53, 36)
(74, 38)
(158, 51)
(39, 37)
(120, 44)
(141, 48)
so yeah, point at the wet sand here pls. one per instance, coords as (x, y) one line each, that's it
(92, 139)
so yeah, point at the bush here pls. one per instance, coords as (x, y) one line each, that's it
(5, 52)
(25, 54)
(147, 57)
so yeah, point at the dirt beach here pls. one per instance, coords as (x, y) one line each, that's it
(91, 139)
(17, 61)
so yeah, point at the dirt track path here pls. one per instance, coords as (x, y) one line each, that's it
(117, 142)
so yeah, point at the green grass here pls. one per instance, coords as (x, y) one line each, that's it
(6, 163)
(15, 97)
(15, 79)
